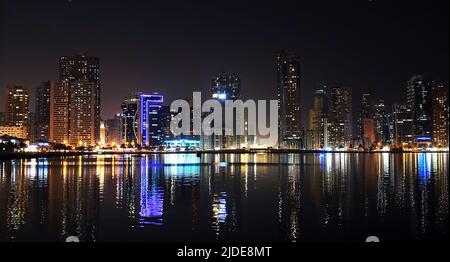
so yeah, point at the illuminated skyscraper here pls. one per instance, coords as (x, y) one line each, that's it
(403, 135)
(83, 68)
(224, 87)
(42, 111)
(440, 115)
(289, 107)
(59, 113)
(340, 114)
(419, 99)
(151, 120)
(366, 122)
(82, 103)
(383, 123)
(318, 121)
(130, 118)
(17, 106)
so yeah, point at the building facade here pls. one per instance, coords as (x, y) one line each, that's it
(20, 132)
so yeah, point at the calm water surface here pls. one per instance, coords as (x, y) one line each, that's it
(292, 197)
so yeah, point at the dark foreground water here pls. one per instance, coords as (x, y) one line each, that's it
(226, 198)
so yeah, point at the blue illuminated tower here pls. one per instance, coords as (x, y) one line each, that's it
(151, 131)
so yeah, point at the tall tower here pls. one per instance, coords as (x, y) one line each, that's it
(150, 130)
(130, 119)
(82, 105)
(17, 106)
(42, 111)
(440, 116)
(83, 68)
(341, 125)
(318, 121)
(59, 113)
(289, 107)
(419, 99)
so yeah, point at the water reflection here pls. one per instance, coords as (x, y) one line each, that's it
(261, 197)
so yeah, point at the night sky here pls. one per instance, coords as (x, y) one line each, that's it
(174, 47)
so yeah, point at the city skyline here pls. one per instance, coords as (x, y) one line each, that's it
(373, 58)
(68, 112)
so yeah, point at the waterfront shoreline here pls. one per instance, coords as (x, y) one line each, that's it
(27, 155)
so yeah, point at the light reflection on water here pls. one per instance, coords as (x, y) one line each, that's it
(262, 197)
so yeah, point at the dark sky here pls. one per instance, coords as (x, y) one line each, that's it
(174, 47)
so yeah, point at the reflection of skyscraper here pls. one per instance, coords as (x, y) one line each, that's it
(341, 125)
(151, 197)
(42, 117)
(289, 107)
(85, 69)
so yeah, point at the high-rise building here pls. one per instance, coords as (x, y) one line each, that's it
(130, 119)
(114, 130)
(367, 111)
(82, 105)
(151, 120)
(59, 113)
(440, 116)
(383, 119)
(419, 99)
(17, 106)
(224, 87)
(403, 124)
(42, 111)
(366, 122)
(340, 116)
(289, 107)
(83, 68)
(318, 121)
